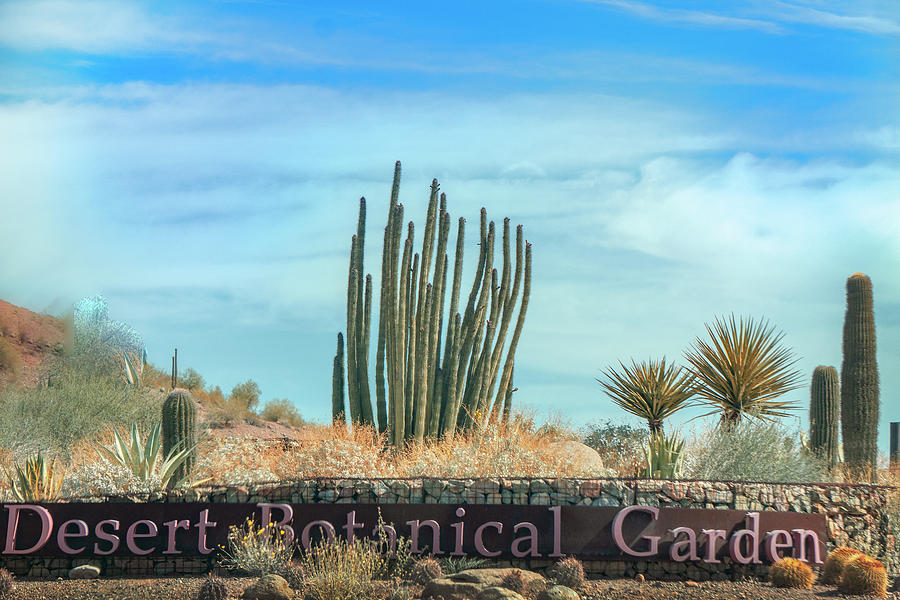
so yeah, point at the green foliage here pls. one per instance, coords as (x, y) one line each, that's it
(179, 432)
(455, 564)
(256, 550)
(282, 411)
(98, 343)
(752, 451)
(77, 405)
(420, 391)
(145, 459)
(191, 380)
(742, 369)
(37, 481)
(825, 414)
(246, 394)
(664, 456)
(620, 445)
(859, 378)
(340, 570)
(650, 390)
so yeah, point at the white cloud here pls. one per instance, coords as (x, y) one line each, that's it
(648, 11)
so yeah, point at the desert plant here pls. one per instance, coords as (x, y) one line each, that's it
(791, 573)
(424, 570)
(246, 394)
(664, 456)
(99, 343)
(179, 432)
(282, 411)
(37, 481)
(825, 414)
(859, 377)
(620, 445)
(420, 392)
(341, 571)
(256, 550)
(144, 459)
(514, 581)
(10, 361)
(212, 588)
(835, 562)
(863, 575)
(293, 573)
(742, 370)
(455, 564)
(650, 390)
(568, 572)
(7, 583)
(751, 451)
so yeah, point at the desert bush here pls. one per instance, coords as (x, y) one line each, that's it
(9, 358)
(293, 573)
(791, 573)
(190, 379)
(752, 451)
(99, 478)
(424, 570)
(340, 570)
(282, 411)
(568, 572)
(246, 394)
(620, 445)
(256, 550)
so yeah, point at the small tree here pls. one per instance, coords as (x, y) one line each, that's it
(246, 394)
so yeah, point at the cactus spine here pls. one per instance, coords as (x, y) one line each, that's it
(825, 414)
(431, 378)
(859, 378)
(179, 430)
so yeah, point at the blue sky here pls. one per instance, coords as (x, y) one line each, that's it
(200, 164)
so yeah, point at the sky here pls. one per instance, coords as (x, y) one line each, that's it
(200, 166)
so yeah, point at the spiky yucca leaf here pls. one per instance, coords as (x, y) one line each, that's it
(144, 459)
(665, 456)
(37, 481)
(743, 369)
(132, 370)
(651, 390)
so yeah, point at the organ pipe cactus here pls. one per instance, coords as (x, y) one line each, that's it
(430, 377)
(825, 414)
(337, 382)
(859, 378)
(179, 431)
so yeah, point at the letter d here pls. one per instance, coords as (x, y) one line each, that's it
(13, 524)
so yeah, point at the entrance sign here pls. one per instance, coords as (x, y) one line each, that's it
(488, 530)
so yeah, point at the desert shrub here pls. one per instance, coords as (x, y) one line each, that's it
(282, 411)
(791, 573)
(190, 379)
(455, 564)
(752, 451)
(6, 583)
(863, 575)
(424, 570)
(9, 358)
(835, 561)
(246, 394)
(620, 445)
(256, 550)
(77, 405)
(101, 477)
(568, 572)
(341, 571)
(293, 573)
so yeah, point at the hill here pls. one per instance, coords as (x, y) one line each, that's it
(27, 339)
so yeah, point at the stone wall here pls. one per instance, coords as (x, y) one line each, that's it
(856, 515)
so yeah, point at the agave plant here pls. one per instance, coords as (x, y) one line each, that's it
(665, 456)
(651, 390)
(742, 370)
(38, 481)
(144, 458)
(132, 370)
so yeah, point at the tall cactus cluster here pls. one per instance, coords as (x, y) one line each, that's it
(859, 377)
(825, 414)
(430, 378)
(179, 430)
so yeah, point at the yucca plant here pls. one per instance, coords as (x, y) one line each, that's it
(742, 369)
(145, 458)
(665, 456)
(651, 390)
(38, 481)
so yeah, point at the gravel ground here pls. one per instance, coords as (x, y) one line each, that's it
(184, 588)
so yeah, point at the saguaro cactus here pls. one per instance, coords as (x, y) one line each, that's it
(179, 430)
(430, 378)
(825, 413)
(859, 378)
(337, 382)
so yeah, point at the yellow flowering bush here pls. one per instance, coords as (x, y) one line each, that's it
(256, 550)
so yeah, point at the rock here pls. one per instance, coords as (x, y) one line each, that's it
(584, 458)
(640, 578)
(84, 572)
(269, 587)
(691, 584)
(498, 593)
(469, 583)
(558, 592)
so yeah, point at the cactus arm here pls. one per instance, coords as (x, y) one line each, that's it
(411, 358)
(362, 359)
(514, 342)
(337, 383)
(824, 413)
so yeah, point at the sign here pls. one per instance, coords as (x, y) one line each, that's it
(487, 530)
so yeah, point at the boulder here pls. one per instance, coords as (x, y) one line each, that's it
(558, 592)
(269, 587)
(469, 583)
(498, 593)
(84, 572)
(584, 458)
